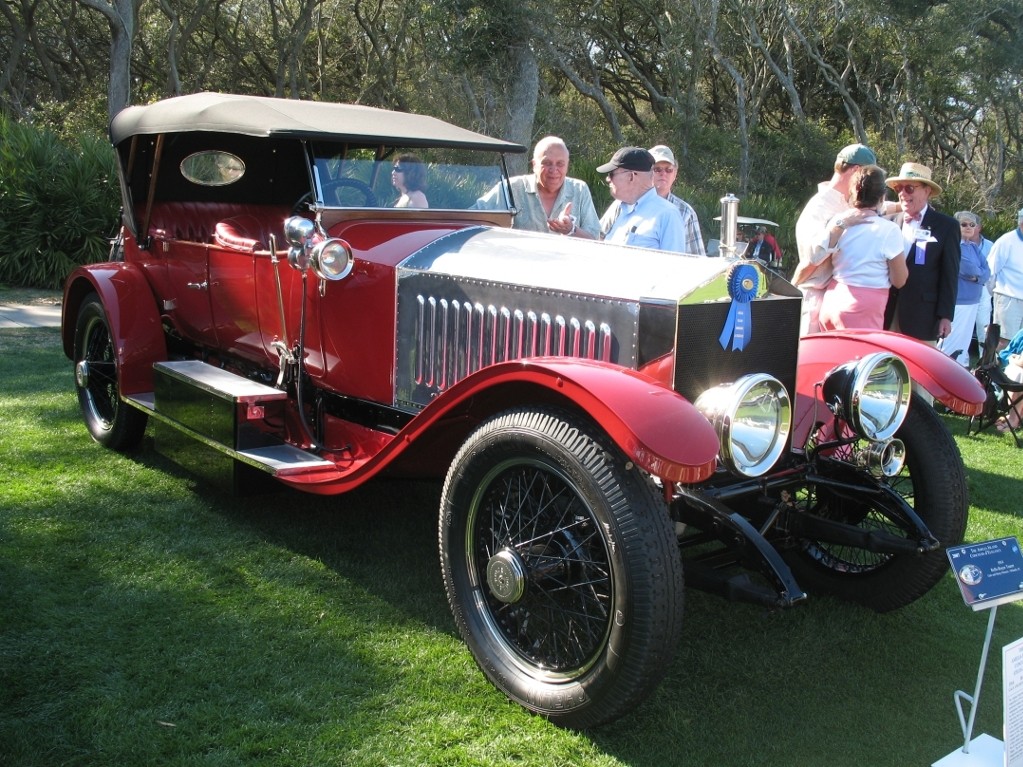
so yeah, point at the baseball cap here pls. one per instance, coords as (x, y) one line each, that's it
(857, 154)
(661, 153)
(629, 158)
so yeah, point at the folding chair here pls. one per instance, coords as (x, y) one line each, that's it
(1003, 394)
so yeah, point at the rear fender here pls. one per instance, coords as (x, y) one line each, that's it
(132, 314)
(945, 380)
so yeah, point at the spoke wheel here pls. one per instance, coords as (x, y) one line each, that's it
(110, 421)
(932, 481)
(560, 565)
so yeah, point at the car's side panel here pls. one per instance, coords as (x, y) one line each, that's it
(132, 314)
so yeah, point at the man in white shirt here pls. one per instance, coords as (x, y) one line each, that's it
(1006, 262)
(645, 219)
(831, 199)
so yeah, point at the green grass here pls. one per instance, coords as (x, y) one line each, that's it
(146, 620)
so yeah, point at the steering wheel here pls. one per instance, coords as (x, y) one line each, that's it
(333, 193)
(302, 205)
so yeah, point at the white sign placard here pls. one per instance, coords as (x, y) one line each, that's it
(1012, 702)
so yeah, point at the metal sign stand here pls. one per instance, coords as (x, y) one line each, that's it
(983, 751)
(988, 574)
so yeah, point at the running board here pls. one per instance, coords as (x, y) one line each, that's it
(195, 403)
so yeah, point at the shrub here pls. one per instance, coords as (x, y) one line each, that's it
(58, 204)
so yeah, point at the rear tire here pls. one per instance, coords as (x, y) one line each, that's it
(561, 566)
(111, 421)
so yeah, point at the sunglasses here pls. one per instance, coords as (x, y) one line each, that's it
(907, 188)
(967, 223)
(397, 169)
(610, 176)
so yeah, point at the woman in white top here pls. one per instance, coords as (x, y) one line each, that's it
(408, 176)
(867, 254)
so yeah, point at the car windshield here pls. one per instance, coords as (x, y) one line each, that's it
(453, 179)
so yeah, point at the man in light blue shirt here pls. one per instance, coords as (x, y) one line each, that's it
(645, 219)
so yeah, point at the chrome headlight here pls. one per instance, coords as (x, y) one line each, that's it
(752, 418)
(871, 394)
(332, 259)
(299, 233)
(298, 230)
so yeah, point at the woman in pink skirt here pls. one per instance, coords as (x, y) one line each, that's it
(867, 254)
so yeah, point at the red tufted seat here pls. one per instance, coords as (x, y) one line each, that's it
(235, 226)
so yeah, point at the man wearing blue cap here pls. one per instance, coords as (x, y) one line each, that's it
(831, 199)
(645, 219)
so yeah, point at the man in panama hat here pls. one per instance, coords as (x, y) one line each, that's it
(923, 308)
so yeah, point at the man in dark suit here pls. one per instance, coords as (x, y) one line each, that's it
(923, 308)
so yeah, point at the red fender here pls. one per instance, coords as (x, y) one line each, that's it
(945, 380)
(658, 429)
(131, 312)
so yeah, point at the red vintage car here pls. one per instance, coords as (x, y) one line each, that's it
(607, 421)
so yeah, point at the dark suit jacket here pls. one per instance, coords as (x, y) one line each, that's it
(930, 291)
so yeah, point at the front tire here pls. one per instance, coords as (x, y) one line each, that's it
(933, 482)
(111, 422)
(561, 566)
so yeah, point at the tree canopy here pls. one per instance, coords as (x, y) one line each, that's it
(754, 95)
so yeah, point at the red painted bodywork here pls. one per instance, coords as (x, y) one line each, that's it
(350, 348)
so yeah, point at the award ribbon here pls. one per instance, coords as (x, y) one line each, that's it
(742, 288)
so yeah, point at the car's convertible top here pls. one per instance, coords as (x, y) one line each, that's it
(263, 116)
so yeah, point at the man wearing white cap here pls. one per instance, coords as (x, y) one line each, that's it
(1006, 262)
(665, 173)
(831, 199)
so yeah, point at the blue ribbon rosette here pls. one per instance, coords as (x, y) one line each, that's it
(743, 280)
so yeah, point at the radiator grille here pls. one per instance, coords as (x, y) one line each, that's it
(451, 330)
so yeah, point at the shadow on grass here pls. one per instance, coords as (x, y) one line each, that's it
(253, 628)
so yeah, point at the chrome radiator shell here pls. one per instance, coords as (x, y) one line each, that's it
(481, 296)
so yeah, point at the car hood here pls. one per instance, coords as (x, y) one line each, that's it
(570, 265)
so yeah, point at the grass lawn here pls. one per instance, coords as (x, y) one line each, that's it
(147, 620)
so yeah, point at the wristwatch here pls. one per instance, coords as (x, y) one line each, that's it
(840, 223)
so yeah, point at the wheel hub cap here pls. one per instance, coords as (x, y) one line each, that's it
(82, 374)
(506, 576)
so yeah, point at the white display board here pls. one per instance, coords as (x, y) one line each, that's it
(1012, 702)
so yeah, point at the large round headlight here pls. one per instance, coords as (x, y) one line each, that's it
(752, 418)
(871, 394)
(332, 259)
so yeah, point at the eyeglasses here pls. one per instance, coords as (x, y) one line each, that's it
(967, 223)
(907, 188)
(397, 169)
(610, 176)
(667, 170)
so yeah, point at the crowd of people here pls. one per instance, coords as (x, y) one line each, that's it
(863, 261)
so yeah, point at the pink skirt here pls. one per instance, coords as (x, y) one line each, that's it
(847, 306)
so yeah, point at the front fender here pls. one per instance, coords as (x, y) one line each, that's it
(944, 379)
(655, 427)
(132, 314)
